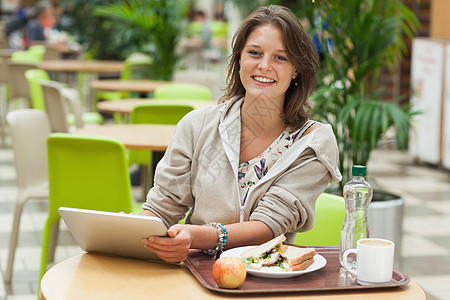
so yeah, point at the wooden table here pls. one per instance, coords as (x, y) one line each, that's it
(154, 138)
(6, 53)
(140, 86)
(134, 136)
(94, 276)
(86, 69)
(125, 106)
(82, 66)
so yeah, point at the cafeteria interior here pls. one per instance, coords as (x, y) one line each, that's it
(424, 188)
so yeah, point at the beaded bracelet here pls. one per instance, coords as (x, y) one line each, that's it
(221, 242)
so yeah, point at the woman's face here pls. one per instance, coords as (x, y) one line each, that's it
(265, 68)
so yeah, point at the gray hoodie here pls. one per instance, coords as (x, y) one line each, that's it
(199, 172)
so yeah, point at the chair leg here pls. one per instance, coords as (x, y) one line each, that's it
(144, 181)
(3, 112)
(53, 242)
(46, 235)
(13, 239)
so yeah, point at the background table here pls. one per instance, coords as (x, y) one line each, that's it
(125, 106)
(117, 85)
(94, 276)
(86, 66)
(134, 136)
(86, 71)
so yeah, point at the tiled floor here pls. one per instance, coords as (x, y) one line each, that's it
(426, 239)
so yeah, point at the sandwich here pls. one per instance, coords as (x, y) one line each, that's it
(298, 259)
(276, 254)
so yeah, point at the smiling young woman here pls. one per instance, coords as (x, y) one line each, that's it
(253, 166)
(266, 73)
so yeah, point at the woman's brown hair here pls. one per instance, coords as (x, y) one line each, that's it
(300, 52)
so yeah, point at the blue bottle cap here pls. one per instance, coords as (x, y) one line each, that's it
(359, 170)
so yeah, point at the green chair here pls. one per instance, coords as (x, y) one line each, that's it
(151, 113)
(23, 56)
(219, 29)
(137, 66)
(33, 77)
(85, 172)
(329, 217)
(38, 51)
(183, 91)
(194, 28)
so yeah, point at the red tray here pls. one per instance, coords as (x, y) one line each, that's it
(330, 277)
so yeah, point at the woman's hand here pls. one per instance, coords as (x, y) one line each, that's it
(173, 248)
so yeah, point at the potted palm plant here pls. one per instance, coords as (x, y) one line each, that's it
(78, 17)
(151, 27)
(359, 38)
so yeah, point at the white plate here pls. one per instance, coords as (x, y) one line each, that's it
(276, 272)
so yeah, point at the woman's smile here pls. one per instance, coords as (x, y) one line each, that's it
(262, 80)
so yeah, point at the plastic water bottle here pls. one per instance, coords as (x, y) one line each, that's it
(357, 195)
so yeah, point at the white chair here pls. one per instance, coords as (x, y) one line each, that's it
(18, 84)
(57, 108)
(59, 101)
(4, 86)
(29, 130)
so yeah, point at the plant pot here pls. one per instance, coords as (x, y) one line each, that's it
(385, 218)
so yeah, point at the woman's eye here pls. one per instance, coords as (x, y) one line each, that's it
(281, 58)
(253, 52)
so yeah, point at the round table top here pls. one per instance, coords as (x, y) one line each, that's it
(125, 106)
(6, 53)
(116, 85)
(134, 136)
(94, 276)
(75, 65)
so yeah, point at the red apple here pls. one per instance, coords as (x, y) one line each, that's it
(229, 272)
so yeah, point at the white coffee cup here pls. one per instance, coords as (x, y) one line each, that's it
(374, 261)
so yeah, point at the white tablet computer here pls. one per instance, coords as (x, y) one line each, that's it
(112, 233)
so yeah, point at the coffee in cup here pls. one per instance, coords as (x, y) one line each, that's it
(374, 261)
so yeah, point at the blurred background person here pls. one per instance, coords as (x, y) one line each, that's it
(41, 22)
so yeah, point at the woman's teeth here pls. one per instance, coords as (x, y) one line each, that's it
(263, 79)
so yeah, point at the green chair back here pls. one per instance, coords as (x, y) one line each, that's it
(33, 77)
(38, 50)
(149, 113)
(23, 56)
(194, 28)
(137, 66)
(85, 172)
(329, 217)
(219, 29)
(154, 114)
(183, 91)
